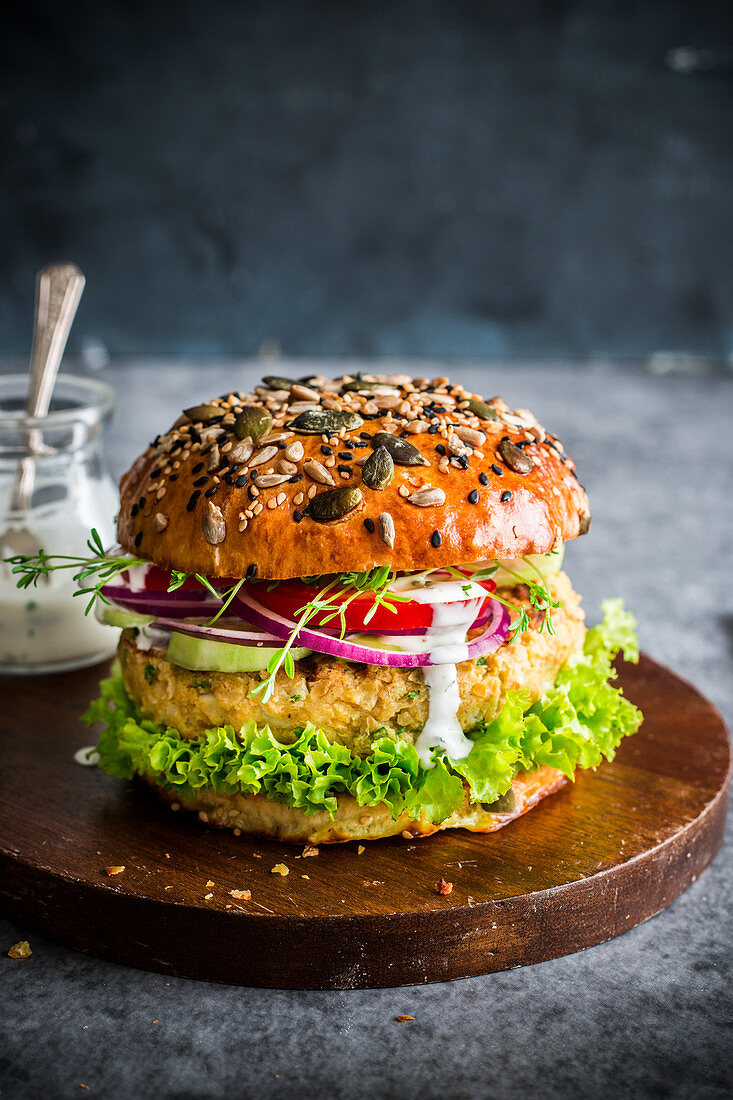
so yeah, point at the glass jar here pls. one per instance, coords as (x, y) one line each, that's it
(44, 628)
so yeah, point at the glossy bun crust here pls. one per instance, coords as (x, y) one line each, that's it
(280, 484)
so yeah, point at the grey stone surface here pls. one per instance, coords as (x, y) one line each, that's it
(646, 1015)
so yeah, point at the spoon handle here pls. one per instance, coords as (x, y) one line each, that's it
(58, 290)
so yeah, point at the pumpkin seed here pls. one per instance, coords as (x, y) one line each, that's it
(360, 384)
(515, 458)
(215, 528)
(276, 382)
(325, 421)
(203, 412)
(333, 505)
(482, 410)
(504, 804)
(378, 470)
(252, 423)
(402, 452)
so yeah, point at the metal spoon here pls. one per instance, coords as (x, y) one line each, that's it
(58, 290)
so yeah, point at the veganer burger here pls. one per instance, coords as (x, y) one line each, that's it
(344, 615)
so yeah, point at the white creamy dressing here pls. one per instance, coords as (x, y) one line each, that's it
(136, 577)
(150, 637)
(88, 757)
(445, 641)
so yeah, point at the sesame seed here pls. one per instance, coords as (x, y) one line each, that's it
(433, 429)
(440, 449)
(210, 492)
(251, 571)
(138, 538)
(505, 496)
(326, 450)
(436, 538)
(483, 478)
(346, 455)
(240, 481)
(473, 496)
(197, 468)
(297, 516)
(192, 500)
(173, 477)
(497, 469)
(200, 481)
(369, 524)
(134, 510)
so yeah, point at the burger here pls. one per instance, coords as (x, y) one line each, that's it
(344, 615)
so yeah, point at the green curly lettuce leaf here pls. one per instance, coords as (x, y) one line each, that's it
(578, 722)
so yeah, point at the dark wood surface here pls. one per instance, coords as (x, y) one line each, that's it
(584, 866)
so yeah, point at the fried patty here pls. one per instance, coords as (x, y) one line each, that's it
(351, 702)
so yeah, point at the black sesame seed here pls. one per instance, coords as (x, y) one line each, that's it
(193, 435)
(134, 510)
(251, 493)
(326, 450)
(197, 468)
(505, 496)
(297, 516)
(436, 538)
(497, 470)
(369, 524)
(241, 480)
(206, 450)
(343, 469)
(229, 479)
(364, 435)
(438, 410)
(201, 481)
(192, 500)
(142, 502)
(210, 492)
(155, 472)
(296, 477)
(173, 477)
(506, 438)
(473, 496)
(346, 455)
(440, 449)
(432, 430)
(282, 444)
(463, 461)
(138, 538)
(251, 571)
(216, 419)
(483, 478)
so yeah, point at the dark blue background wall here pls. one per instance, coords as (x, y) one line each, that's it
(509, 177)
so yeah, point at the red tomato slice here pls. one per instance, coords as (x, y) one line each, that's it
(287, 598)
(159, 580)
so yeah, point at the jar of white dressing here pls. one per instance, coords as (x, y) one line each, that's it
(44, 628)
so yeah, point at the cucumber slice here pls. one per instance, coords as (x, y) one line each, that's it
(548, 564)
(207, 655)
(118, 616)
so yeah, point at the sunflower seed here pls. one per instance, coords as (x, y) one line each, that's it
(469, 435)
(427, 497)
(240, 452)
(417, 427)
(294, 451)
(385, 527)
(275, 437)
(265, 455)
(325, 421)
(160, 522)
(333, 504)
(387, 400)
(285, 467)
(402, 452)
(215, 529)
(252, 423)
(482, 410)
(214, 458)
(297, 407)
(378, 470)
(456, 445)
(304, 393)
(514, 457)
(318, 472)
(267, 481)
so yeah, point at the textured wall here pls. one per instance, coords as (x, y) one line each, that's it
(512, 177)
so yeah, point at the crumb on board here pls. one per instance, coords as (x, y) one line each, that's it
(360, 850)
(208, 897)
(306, 876)
(240, 895)
(401, 1019)
(209, 884)
(114, 870)
(20, 950)
(443, 887)
(309, 851)
(280, 869)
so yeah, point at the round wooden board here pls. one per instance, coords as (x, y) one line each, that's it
(585, 865)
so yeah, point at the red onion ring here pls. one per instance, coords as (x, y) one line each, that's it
(282, 628)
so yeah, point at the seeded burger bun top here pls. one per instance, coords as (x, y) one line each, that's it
(329, 476)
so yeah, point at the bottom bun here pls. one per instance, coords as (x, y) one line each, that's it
(255, 815)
